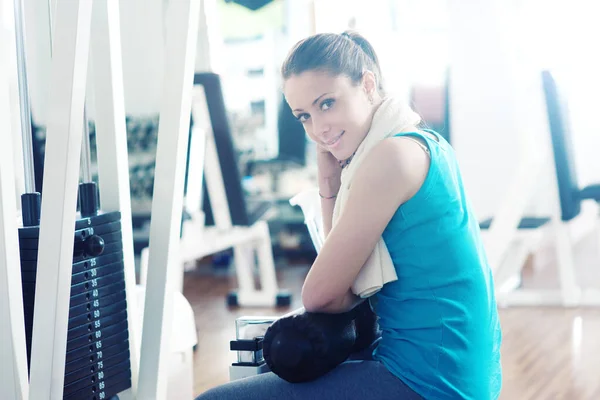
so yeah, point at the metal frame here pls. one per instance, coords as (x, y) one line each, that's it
(508, 247)
(247, 241)
(569, 292)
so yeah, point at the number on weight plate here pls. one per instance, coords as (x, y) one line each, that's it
(95, 293)
(96, 303)
(99, 344)
(94, 283)
(99, 355)
(94, 272)
(102, 396)
(100, 364)
(97, 324)
(96, 313)
(101, 385)
(98, 334)
(100, 375)
(89, 221)
(93, 262)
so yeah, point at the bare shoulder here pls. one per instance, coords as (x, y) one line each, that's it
(399, 160)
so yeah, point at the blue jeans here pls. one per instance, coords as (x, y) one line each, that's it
(360, 377)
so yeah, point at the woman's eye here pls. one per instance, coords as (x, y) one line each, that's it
(302, 117)
(326, 105)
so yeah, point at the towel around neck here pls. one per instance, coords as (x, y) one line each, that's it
(393, 116)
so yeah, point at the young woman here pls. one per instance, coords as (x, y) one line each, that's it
(440, 330)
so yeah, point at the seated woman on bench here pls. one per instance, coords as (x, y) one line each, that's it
(441, 334)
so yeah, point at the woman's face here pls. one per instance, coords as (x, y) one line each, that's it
(335, 112)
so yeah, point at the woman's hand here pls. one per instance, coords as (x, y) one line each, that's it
(327, 164)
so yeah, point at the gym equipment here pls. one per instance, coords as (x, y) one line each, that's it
(78, 278)
(571, 194)
(292, 147)
(97, 349)
(238, 223)
(97, 359)
(243, 212)
(508, 254)
(248, 344)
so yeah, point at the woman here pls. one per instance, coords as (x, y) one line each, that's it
(440, 330)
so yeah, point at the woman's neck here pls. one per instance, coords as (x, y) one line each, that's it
(377, 103)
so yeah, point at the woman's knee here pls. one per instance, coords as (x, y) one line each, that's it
(211, 394)
(227, 391)
(251, 388)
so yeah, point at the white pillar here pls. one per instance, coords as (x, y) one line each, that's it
(63, 145)
(13, 358)
(111, 140)
(167, 202)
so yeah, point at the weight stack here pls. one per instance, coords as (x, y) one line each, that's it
(97, 362)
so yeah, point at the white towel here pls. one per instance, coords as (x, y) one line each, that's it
(393, 116)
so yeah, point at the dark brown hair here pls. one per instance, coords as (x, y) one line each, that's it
(348, 54)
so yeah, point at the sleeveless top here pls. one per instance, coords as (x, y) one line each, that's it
(440, 329)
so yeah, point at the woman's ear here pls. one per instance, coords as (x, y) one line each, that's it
(369, 82)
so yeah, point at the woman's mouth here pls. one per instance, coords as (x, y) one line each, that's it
(335, 141)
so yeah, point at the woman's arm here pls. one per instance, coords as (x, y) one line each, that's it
(391, 174)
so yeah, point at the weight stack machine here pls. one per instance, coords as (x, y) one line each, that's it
(97, 361)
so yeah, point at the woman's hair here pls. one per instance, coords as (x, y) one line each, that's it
(347, 54)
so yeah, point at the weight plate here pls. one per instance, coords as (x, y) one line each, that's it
(89, 317)
(103, 389)
(99, 355)
(98, 345)
(104, 258)
(109, 373)
(81, 223)
(99, 366)
(31, 255)
(96, 272)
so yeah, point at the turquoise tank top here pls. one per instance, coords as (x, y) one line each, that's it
(440, 329)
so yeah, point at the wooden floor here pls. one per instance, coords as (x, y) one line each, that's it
(548, 353)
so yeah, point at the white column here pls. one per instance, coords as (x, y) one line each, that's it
(111, 141)
(9, 53)
(142, 40)
(210, 41)
(13, 358)
(167, 203)
(68, 72)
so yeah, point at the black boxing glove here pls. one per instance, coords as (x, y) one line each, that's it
(367, 328)
(306, 346)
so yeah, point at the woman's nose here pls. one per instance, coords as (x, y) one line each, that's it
(320, 126)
